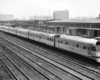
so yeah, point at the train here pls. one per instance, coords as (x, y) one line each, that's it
(83, 46)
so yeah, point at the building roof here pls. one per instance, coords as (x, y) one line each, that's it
(75, 21)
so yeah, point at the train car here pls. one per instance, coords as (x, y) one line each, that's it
(12, 30)
(82, 46)
(46, 38)
(23, 33)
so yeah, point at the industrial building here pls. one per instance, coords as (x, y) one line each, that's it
(84, 28)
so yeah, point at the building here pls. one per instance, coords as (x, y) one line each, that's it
(98, 17)
(61, 15)
(40, 17)
(6, 17)
(85, 28)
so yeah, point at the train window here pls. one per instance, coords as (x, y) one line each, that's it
(84, 47)
(93, 48)
(66, 43)
(98, 43)
(61, 41)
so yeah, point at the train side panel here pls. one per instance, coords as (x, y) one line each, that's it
(42, 37)
(48, 39)
(76, 47)
(23, 33)
(12, 31)
(4, 28)
(34, 35)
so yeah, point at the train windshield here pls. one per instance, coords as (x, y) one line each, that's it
(98, 46)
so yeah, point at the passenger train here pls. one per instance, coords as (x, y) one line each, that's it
(82, 46)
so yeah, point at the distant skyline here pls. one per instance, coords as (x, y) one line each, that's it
(27, 8)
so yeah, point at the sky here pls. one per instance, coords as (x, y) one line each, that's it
(26, 8)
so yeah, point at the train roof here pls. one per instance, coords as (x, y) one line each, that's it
(37, 32)
(43, 33)
(25, 30)
(49, 34)
(12, 28)
(79, 39)
(52, 35)
(5, 27)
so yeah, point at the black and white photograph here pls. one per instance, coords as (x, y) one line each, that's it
(49, 40)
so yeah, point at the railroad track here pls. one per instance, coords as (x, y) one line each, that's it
(83, 68)
(63, 75)
(29, 72)
(94, 74)
(19, 75)
(5, 72)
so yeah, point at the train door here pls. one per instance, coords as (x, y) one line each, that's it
(95, 33)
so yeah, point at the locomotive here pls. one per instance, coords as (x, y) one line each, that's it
(79, 45)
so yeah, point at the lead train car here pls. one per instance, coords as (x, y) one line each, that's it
(82, 46)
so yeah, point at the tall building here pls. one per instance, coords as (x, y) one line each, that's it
(61, 14)
(5, 17)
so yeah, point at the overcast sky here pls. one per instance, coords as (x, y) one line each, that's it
(26, 8)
